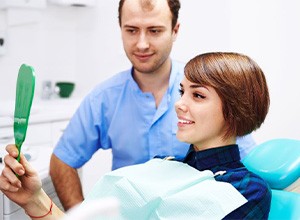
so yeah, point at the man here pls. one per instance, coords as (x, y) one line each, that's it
(133, 112)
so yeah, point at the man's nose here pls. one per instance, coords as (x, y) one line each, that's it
(143, 41)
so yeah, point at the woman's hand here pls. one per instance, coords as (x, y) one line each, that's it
(23, 188)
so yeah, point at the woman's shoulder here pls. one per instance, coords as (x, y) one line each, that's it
(255, 189)
(246, 182)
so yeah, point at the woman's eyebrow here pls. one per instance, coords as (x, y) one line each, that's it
(195, 86)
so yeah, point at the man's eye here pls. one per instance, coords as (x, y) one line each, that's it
(155, 31)
(131, 31)
(180, 92)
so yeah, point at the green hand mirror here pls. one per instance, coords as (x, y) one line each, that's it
(24, 95)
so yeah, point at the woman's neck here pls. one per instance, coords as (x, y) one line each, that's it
(219, 142)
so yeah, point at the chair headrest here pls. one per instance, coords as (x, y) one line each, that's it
(277, 161)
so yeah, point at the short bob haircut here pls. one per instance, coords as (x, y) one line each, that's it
(240, 84)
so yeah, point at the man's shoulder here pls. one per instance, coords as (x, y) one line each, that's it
(178, 65)
(118, 79)
(114, 82)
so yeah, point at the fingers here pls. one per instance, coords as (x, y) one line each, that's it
(14, 165)
(12, 150)
(11, 162)
(27, 166)
(9, 181)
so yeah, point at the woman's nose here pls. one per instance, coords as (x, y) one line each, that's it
(180, 105)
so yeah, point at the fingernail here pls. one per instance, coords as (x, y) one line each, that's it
(21, 172)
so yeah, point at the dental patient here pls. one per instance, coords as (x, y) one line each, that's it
(223, 96)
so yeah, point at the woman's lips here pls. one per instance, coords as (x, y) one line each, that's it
(184, 122)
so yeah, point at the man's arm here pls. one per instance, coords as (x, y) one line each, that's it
(66, 182)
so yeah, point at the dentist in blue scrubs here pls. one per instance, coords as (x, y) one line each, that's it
(132, 113)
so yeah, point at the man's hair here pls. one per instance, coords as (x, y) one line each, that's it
(240, 84)
(174, 6)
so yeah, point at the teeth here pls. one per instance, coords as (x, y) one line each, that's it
(184, 121)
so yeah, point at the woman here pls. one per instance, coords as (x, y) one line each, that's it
(223, 95)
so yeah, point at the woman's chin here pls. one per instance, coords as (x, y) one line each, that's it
(182, 138)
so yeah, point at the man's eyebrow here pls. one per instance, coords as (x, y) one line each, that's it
(129, 26)
(150, 27)
(158, 26)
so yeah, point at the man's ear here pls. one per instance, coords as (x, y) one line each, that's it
(175, 31)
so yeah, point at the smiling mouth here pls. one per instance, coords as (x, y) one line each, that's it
(143, 56)
(181, 121)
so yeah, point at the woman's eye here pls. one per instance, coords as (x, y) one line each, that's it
(180, 92)
(199, 96)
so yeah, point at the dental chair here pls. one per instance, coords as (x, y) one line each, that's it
(278, 162)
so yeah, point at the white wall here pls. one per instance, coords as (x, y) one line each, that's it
(77, 44)
(269, 31)
(84, 45)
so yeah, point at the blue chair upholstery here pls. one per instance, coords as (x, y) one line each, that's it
(278, 162)
(284, 205)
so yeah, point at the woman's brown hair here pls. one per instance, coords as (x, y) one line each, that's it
(240, 84)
